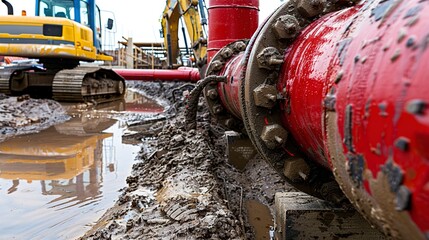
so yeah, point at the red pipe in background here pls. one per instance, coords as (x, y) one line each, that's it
(180, 74)
(230, 20)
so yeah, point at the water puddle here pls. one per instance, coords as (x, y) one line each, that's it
(55, 184)
(260, 218)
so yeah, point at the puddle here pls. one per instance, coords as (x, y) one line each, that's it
(55, 184)
(260, 218)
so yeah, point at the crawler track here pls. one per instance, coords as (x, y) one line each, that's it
(87, 84)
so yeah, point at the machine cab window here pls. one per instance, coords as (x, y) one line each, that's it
(64, 9)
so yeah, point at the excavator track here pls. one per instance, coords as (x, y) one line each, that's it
(87, 84)
(5, 81)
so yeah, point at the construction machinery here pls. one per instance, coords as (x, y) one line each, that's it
(192, 11)
(333, 94)
(62, 34)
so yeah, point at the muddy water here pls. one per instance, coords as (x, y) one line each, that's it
(57, 183)
(260, 218)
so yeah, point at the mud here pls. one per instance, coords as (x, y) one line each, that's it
(21, 115)
(183, 187)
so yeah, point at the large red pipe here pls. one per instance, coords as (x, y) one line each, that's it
(230, 20)
(180, 74)
(358, 87)
(354, 95)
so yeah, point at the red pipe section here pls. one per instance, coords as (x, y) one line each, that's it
(230, 20)
(358, 88)
(356, 92)
(180, 74)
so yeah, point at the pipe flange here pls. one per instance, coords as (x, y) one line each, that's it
(211, 94)
(259, 103)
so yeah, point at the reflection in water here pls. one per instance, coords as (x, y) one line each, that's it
(135, 102)
(56, 183)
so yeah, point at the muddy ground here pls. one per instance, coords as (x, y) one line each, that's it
(182, 185)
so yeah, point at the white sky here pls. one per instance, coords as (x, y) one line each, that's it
(134, 18)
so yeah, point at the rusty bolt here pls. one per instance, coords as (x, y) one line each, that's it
(226, 53)
(217, 109)
(216, 65)
(311, 8)
(296, 169)
(194, 3)
(212, 94)
(269, 58)
(286, 27)
(239, 46)
(274, 136)
(265, 95)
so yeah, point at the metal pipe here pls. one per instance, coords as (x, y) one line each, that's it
(349, 94)
(357, 97)
(180, 74)
(230, 20)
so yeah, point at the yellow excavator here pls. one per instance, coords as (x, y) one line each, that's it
(189, 11)
(63, 33)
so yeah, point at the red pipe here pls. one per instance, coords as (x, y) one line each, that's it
(180, 74)
(229, 91)
(356, 99)
(360, 93)
(230, 20)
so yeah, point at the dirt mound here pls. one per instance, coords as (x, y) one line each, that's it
(21, 115)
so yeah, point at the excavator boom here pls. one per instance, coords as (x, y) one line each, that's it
(188, 10)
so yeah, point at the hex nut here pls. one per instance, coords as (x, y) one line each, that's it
(286, 27)
(269, 58)
(265, 95)
(216, 65)
(226, 53)
(239, 46)
(212, 94)
(296, 169)
(311, 8)
(274, 136)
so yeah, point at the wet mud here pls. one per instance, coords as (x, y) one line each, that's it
(182, 185)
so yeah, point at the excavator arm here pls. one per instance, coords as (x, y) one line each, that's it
(188, 11)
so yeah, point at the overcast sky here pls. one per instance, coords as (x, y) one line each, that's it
(134, 18)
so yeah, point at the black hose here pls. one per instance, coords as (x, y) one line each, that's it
(192, 103)
(9, 7)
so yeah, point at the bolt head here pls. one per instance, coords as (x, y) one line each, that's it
(265, 96)
(286, 27)
(296, 169)
(212, 94)
(239, 46)
(311, 8)
(216, 65)
(226, 53)
(269, 58)
(274, 136)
